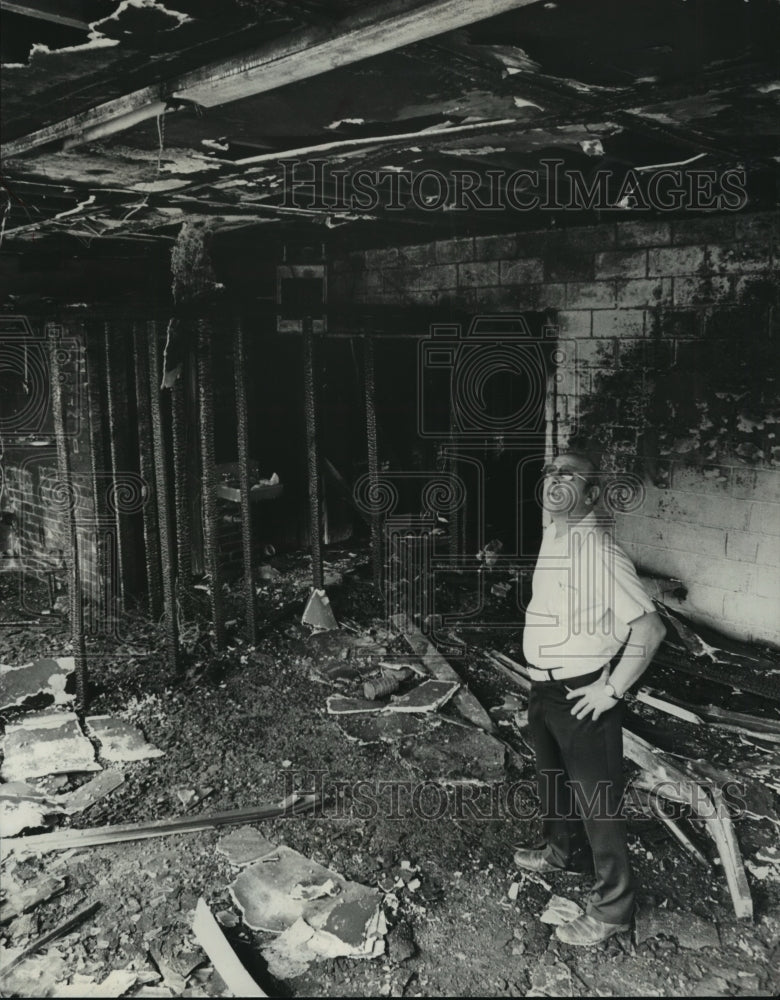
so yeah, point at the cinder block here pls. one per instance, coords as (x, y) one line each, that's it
(502, 298)
(528, 270)
(739, 258)
(712, 510)
(757, 225)
(683, 537)
(495, 247)
(566, 263)
(766, 582)
(454, 251)
(382, 257)
(591, 294)
(675, 260)
(765, 518)
(552, 295)
(591, 237)
(711, 480)
(422, 253)
(756, 484)
(621, 264)
(751, 612)
(574, 323)
(433, 276)
(703, 230)
(742, 546)
(597, 353)
(643, 234)
(690, 290)
(541, 243)
(478, 273)
(618, 322)
(644, 292)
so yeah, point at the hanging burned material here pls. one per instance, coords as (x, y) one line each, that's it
(242, 433)
(66, 490)
(209, 479)
(163, 506)
(146, 464)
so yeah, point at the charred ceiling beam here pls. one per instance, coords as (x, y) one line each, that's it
(298, 56)
(62, 12)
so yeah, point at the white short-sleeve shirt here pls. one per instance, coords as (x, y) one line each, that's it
(586, 593)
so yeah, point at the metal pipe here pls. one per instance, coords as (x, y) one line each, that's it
(242, 434)
(163, 506)
(315, 485)
(76, 596)
(369, 387)
(146, 465)
(208, 479)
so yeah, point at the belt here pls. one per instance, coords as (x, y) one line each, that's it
(557, 673)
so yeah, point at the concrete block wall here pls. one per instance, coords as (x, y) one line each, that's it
(667, 285)
(32, 489)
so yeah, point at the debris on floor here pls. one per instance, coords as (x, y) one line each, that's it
(454, 753)
(244, 845)
(339, 704)
(23, 807)
(386, 727)
(120, 742)
(426, 697)
(45, 676)
(216, 946)
(21, 897)
(93, 791)
(689, 930)
(315, 912)
(46, 743)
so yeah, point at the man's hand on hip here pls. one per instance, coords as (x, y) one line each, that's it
(591, 698)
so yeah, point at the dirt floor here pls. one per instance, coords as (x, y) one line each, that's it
(250, 726)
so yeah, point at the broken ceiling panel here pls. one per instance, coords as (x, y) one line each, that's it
(46, 743)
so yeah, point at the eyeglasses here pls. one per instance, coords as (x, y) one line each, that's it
(562, 475)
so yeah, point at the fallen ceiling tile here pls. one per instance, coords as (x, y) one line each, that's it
(120, 741)
(263, 893)
(44, 676)
(116, 984)
(88, 794)
(339, 704)
(23, 807)
(385, 728)
(245, 845)
(426, 697)
(47, 743)
(21, 897)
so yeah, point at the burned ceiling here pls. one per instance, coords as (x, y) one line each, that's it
(122, 119)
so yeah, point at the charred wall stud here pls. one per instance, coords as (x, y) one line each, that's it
(369, 387)
(242, 433)
(145, 452)
(318, 612)
(208, 479)
(179, 435)
(163, 506)
(68, 492)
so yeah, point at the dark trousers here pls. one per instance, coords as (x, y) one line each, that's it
(579, 766)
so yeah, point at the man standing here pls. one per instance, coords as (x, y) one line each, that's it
(590, 633)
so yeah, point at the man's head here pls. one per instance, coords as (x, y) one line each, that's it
(570, 485)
